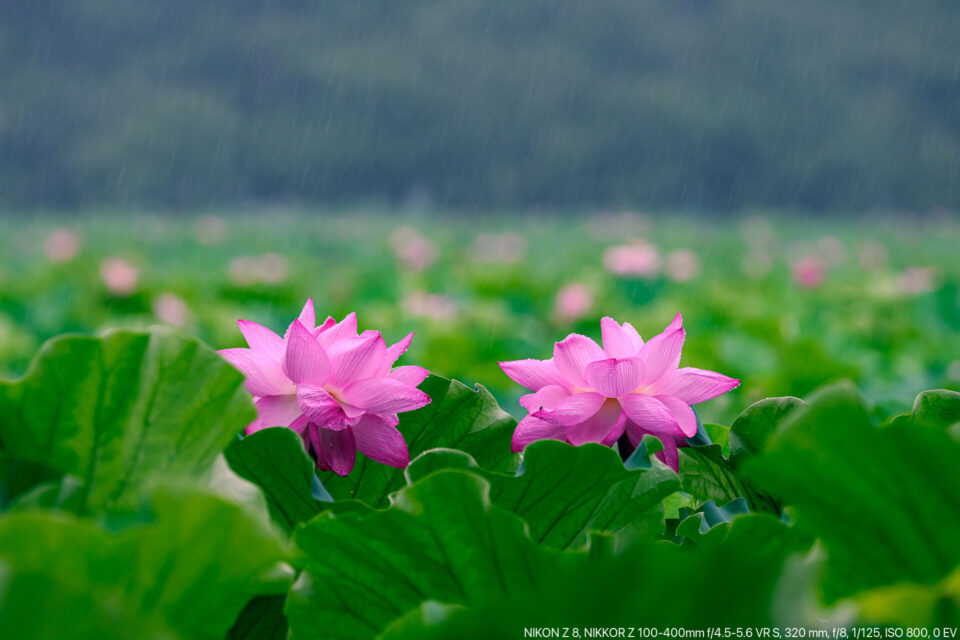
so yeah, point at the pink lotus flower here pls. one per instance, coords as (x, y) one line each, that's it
(917, 280)
(683, 265)
(62, 245)
(433, 306)
(119, 275)
(586, 393)
(332, 386)
(874, 255)
(640, 260)
(270, 268)
(505, 248)
(412, 249)
(210, 230)
(573, 302)
(171, 309)
(808, 272)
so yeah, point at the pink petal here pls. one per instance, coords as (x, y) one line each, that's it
(264, 377)
(409, 374)
(329, 322)
(634, 336)
(531, 429)
(546, 398)
(253, 427)
(685, 416)
(619, 341)
(573, 354)
(390, 418)
(533, 374)
(609, 420)
(380, 441)
(384, 395)
(346, 328)
(355, 358)
(693, 385)
(614, 378)
(351, 412)
(307, 316)
(300, 424)
(305, 360)
(661, 353)
(278, 411)
(574, 409)
(320, 407)
(337, 450)
(649, 413)
(617, 431)
(634, 433)
(261, 339)
(669, 456)
(394, 351)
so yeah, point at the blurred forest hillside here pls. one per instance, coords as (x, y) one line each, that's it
(701, 104)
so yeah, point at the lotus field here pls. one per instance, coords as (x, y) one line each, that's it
(361, 425)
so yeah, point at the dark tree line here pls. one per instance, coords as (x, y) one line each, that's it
(714, 104)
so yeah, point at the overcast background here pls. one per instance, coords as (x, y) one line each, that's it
(710, 105)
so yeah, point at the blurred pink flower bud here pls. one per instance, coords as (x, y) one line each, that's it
(808, 272)
(270, 268)
(873, 255)
(573, 302)
(119, 275)
(683, 265)
(917, 280)
(171, 309)
(506, 248)
(610, 224)
(639, 259)
(831, 251)
(757, 232)
(429, 305)
(62, 245)
(210, 230)
(756, 264)
(412, 249)
(274, 268)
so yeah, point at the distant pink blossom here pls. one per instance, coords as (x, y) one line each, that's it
(808, 272)
(210, 230)
(831, 251)
(270, 268)
(634, 260)
(618, 224)
(62, 245)
(917, 280)
(953, 370)
(119, 275)
(171, 309)
(433, 306)
(573, 302)
(874, 255)
(683, 265)
(756, 264)
(757, 232)
(412, 249)
(505, 248)
(586, 393)
(337, 389)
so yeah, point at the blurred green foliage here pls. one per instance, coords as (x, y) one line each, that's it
(715, 104)
(865, 532)
(887, 314)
